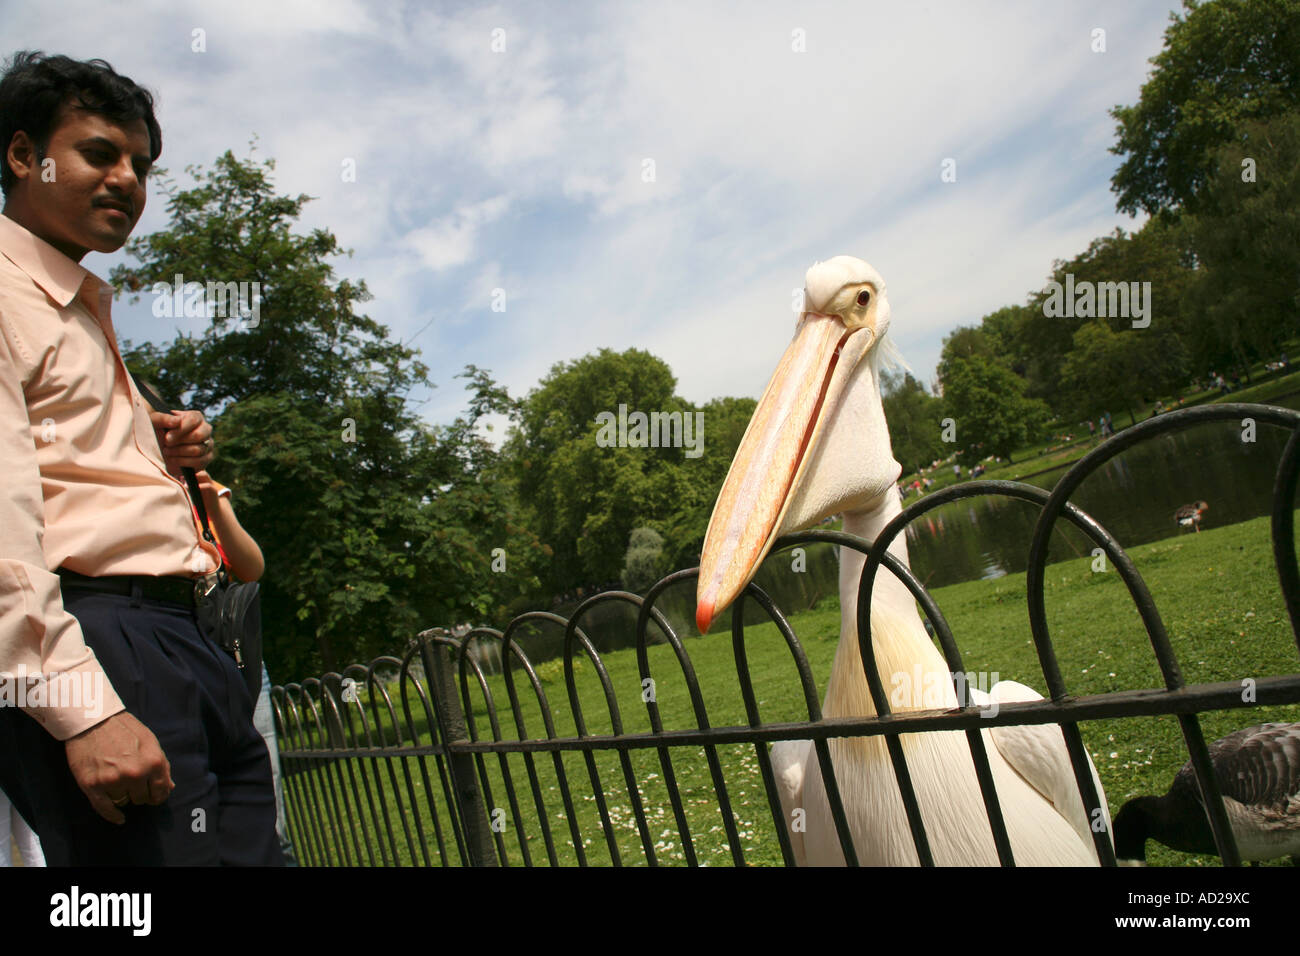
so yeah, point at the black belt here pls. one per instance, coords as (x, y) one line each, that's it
(175, 590)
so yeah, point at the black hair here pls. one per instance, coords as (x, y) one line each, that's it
(35, 86)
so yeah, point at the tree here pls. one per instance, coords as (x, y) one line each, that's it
(1003, 330)
(586, 477)
(643, 564)
(1157, 259)
(915, 421)
(586, 484)
(306, 339)
(1223, 63)
(1246, 234)
(700, 479)
(1108, 369)
(365, 558)
(987, 401)
(965, 342)
(373, 524)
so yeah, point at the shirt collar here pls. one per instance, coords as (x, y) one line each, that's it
(56, 274)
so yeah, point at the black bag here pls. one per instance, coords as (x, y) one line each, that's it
(231, 612)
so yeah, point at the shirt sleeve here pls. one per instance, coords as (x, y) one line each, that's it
(38, 637)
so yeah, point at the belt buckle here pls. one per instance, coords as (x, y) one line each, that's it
(204, 586)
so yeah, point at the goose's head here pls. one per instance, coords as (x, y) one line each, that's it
(817, 444)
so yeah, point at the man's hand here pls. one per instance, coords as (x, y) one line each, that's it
(118, 760)
(185, 439)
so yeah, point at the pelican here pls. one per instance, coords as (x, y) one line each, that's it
(818, 445)
(1258, 770)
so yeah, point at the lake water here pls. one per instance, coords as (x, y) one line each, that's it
(1134, 496)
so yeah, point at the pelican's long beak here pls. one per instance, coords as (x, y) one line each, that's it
(770, 462)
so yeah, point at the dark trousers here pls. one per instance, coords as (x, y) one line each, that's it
(188, 692)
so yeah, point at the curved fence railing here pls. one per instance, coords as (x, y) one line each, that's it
(420, 760)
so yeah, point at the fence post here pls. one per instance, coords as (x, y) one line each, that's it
(440, 670)
(333, 714)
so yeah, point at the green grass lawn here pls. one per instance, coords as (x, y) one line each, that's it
(1217, 592)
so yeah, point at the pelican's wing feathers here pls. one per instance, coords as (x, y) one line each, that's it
(1037, 753)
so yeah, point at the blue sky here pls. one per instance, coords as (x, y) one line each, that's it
(523, 168)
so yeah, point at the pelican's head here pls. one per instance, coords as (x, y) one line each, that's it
(817, 444)
(849, 289)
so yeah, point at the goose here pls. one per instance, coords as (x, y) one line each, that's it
(1258, 770)
(818, 445)
(1189, 516)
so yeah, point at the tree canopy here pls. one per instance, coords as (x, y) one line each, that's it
(987, 403)
(1223, 64)
(587, 478)
(915, 420)
(1245, 301)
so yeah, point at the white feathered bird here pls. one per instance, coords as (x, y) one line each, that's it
(818, 445)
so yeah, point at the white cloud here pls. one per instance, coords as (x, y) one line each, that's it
(451, 240)
(482, 291)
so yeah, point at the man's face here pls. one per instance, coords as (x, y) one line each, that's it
(97, 192)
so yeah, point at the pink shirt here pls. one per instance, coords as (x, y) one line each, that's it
(85, 486)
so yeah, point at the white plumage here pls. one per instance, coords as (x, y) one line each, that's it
(1031, 769)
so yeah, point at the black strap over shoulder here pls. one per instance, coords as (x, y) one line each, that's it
(191, 480)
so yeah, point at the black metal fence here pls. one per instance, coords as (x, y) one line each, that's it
(439, 777)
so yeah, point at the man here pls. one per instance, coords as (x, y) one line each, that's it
(136, 745)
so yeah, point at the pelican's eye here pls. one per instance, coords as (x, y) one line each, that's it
(864, 297)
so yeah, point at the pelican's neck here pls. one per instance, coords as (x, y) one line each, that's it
(912, 671)
(887, 590)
